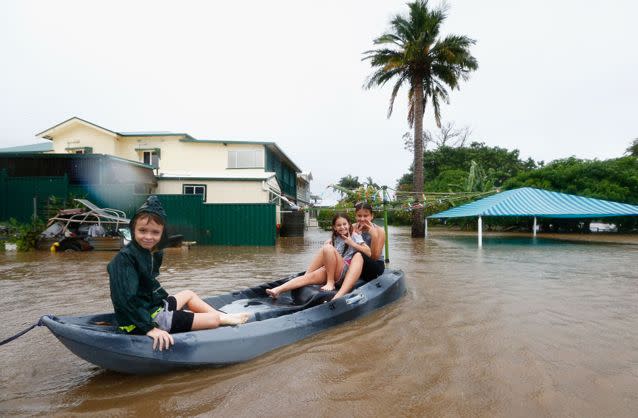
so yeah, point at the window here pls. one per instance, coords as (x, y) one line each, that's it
(79, 150)
(246, 159)
(151, 158)
(198, 189)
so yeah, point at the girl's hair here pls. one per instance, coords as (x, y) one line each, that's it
(363, 205)
(334, 221)
(149, 216)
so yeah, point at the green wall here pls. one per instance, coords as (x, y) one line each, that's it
(220, 223)
(286, 176)
(208, 224)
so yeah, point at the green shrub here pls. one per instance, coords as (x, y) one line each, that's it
(25, 235)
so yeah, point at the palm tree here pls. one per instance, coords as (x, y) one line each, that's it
(412, 52)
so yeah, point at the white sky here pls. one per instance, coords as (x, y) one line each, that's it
(555, 78)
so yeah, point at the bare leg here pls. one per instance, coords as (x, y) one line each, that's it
(333, 263)
(316, 277)
(317, 261)
(352, 275)
(213, 320)
(206, 317)
(190, 300)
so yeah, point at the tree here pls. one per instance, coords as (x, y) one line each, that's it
(348, 182)
(615, 179)
(633, 148)
(412, 53)
(444, 163)
(448, 135)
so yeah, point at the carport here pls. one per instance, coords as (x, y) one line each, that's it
(536, 203)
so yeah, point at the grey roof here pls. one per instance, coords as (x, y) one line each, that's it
(42, 147)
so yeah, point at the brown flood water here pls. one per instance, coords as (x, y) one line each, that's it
(521, 328)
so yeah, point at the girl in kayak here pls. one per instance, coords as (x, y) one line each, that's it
(331, 263)
(366, 266)
(141, 305)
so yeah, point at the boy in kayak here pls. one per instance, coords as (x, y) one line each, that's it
(141, 305)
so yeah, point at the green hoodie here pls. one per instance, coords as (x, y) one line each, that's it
(135, 292)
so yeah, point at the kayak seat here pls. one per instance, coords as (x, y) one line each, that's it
(311, 294)
(314, 295)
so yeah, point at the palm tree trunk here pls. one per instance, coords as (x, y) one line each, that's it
(418, 224)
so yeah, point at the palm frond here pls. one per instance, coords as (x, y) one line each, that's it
(395, 91)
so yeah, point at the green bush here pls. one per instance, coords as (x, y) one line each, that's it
(25, 235)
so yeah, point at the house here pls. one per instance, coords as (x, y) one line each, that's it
(220, 171)
(303, 189)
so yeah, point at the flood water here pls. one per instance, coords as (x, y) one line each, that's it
(519, 328)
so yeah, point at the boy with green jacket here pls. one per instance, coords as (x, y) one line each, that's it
(141, 305)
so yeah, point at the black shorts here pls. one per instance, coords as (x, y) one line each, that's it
(371, 268)
(182, 320)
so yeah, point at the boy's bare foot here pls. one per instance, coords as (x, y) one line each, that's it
(234, 319)
(273, 293)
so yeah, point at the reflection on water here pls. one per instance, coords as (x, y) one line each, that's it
(521, 327)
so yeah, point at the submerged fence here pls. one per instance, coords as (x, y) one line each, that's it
(209, 224)
(220, 223)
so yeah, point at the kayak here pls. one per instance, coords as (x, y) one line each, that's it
(274, 323)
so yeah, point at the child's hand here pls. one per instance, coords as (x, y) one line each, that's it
(328, 287)
(160, 338)
(365, 226)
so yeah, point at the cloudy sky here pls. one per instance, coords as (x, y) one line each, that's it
(555, 78)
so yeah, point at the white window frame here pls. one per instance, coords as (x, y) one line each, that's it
(153, 158)
(252, 158)
(194, 189)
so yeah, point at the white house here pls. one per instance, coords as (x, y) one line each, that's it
(221, 171)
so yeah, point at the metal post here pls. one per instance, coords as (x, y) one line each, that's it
(480, 232)
(534, 226)
(385, 224)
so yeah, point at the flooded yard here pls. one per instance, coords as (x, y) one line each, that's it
(522, 327)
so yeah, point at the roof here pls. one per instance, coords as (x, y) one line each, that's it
(44, 147)
(185, 138)
(44, 156)
(216, 176)
(528, 201)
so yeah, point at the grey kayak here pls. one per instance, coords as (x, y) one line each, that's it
(275, 323)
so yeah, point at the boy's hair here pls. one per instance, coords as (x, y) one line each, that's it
(149, 216)
(363, 205)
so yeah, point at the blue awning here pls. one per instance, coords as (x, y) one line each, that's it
(528, 201)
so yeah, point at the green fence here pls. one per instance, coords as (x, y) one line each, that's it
(23, 197)
(208, 224)
(220, 223)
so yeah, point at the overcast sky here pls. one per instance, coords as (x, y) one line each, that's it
(555, 78)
